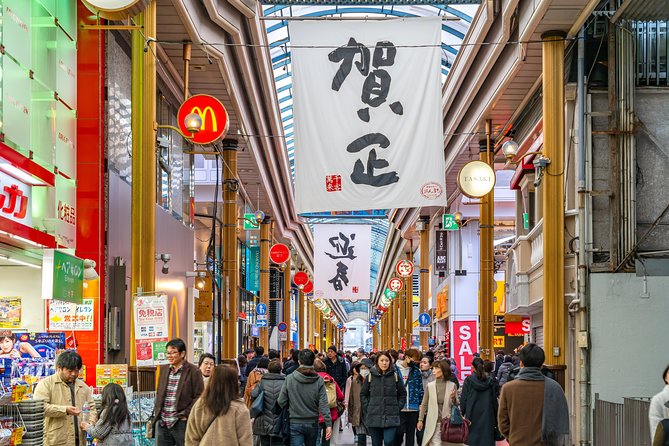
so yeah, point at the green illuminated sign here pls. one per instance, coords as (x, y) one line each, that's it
(250, 222)
(62, 277)
(449, 223)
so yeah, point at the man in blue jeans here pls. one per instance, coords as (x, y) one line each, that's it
(304, 393)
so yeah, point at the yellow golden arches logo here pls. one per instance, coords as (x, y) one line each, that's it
(203, 115)
(174, 314)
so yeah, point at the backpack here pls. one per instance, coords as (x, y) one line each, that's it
(331, 390)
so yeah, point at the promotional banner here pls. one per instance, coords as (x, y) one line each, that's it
(67, 316)
(342, 260)
(517, 328)
(368, 118)
(10, 312)
(253, 269)
(465, 344)
(150, 326)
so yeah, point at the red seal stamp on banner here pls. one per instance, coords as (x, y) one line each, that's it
(431, 191)
(333, 183)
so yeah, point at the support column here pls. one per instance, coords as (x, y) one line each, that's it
(375, 336)
(286, 308)
(408, 322)
(265, 240)
(321, 332)
(396, 322)
(143, 216)
(402, 298)
(553, 199)
(230, 263)
(424, 276)
(328, 334)
(487, 256)
(301, 321)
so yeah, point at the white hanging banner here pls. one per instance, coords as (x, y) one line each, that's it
(342, 261)
(368, 117)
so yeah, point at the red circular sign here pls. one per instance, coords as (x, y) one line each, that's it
(308, 287)
(300, 279)
(404, 268)
(279, 253)
(214, 117)
(395, 285)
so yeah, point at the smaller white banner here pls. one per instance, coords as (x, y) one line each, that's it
(342, 260)
(67, 316)
(151, 318)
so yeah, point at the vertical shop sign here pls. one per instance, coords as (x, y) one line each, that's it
(150, 325)
(342, 260)
(374, 103)
(441, 251)
(253, 269)
(465, 344)
(62, 276)
(66, 212)
(10, 312)
(68, 316)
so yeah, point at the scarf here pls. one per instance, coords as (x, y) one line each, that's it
(555, 419)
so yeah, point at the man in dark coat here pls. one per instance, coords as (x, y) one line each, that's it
(253, 362)
(336, 367)
(478, 403)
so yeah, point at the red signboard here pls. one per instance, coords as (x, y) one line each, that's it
(395, 285)
(214, 117)
(404, 268)
(519, 328)
(308, 288)
(465, 344)
(301, 279)
(279, 253)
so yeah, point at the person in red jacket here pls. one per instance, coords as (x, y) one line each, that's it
(321, 369)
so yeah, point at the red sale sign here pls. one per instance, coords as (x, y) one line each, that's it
(520, 328)
(465, 344)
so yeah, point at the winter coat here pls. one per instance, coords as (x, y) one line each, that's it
(340, 397)
(382, 397)
(251, 365)
(230, 429)
(657, 411)
(434, 411)
(108, 435)
(58, 426)
(270, 384)
(337, 370)
(289, 367)
(503, 373)
(413, 386)
(191, 386)
(304, 393)
(355, 414)
(253, 379)
(478, 404)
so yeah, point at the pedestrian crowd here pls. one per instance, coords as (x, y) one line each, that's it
(393, 398)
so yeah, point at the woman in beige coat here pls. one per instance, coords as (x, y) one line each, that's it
(220, 417)
(439, 396)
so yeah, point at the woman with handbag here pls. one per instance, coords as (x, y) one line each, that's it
(478, 404)
(254, 378)
(439, 401)
(264, 395)
(220, 416)
(382, 397)
(335, 402)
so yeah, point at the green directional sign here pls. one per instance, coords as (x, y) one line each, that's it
(250, 222)
(449, 223)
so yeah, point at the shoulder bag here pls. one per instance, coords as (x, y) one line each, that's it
(149, 434)
(454, 429)
(258, 405)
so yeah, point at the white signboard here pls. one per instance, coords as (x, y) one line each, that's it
(151, 318)
(67, 316)
(368, 118)
(342, 259)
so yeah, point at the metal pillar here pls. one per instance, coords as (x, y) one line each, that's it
(143, 216)
(286, 307)
(320, 331)
(553, 197)
(402, 298)
(408, 322)
(328, 334)
(301, 321)
(375, 337)
(265, 240)
(230, 264)
(424, 276)
(487, 256)
(396, 322)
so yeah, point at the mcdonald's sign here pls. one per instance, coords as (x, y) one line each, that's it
(214, 117)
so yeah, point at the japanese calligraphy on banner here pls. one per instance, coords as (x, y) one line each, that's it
(342, 260)
(66, 316)
(368, 118)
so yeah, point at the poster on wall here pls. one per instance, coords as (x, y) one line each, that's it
(33, 345)
(150, 326)
(10, 312)
(465, 344)
(68, 316)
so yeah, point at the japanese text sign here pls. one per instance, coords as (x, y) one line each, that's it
(67, 316)
(151, 318)
(465, 344)
(15, 200)
(368, 119)
(62, 276)
(441, 251)
(342, 260)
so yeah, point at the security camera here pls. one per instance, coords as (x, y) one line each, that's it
(166, 260)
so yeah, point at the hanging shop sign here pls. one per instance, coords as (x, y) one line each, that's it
(441, 251)
(395, 284)
(517, 328)
(404, 268)
(279, 253)
(373, 116)
(68, 316)
(476, 179)
(62, 276)
(214, 116)
(150, 326)
(116, 9)
(308, 288)
(464, 346)
(301, 279)
(66, 212)
(15, 200)
(10, 312)
(253, 268)
(342, 261)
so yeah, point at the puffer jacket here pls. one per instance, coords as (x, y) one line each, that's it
(382, 397)
(413, 386)
(340, 397)
(503, 373)
(271, 384)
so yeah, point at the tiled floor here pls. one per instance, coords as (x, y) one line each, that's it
(346, 439)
